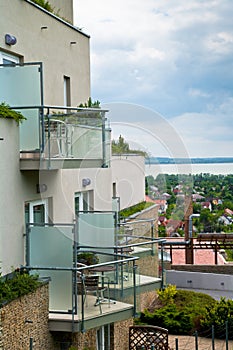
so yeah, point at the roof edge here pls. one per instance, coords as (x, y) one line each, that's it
(57, 18)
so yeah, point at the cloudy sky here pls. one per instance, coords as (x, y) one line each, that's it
(164, 68)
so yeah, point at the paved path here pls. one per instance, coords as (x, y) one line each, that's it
(188, 343)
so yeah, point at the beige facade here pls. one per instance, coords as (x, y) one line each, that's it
(129, 178)
(38, 188)
(20, 187)
(64, 52)
(64, 8)
(43, 37)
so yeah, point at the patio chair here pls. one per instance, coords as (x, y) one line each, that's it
(91, 284)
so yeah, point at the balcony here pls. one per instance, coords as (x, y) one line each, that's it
(53, 252)
(55, 138)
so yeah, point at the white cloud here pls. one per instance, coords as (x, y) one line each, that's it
(174, 57)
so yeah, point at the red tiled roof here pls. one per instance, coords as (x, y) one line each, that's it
(200, 256)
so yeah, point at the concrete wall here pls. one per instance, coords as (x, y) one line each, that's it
(226, 269)
(197, 280)
(129, 175)
(52, 46)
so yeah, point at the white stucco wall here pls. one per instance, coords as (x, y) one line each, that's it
(128, 172)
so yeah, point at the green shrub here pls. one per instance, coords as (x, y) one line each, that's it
(217, 315)
(182, 311)
(124, 213)
(167, 295)
(170, 317)
(45, 4)
(17, 285)
(7, 112)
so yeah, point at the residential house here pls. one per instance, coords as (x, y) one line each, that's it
(207, 205)
(162, 204)
(197, 197)
(60, 189)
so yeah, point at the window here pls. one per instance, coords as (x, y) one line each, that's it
(7, 58)
(67, 95)
(114, 189)
(83, 201)
(36, 212)
(103, 338)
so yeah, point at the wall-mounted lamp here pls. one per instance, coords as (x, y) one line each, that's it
(43, 27)
(10, 39)
(40, 188)
(86, 182)
(73, 42)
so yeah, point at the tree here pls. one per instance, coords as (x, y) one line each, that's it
(122, 147)
(90, 104)
(207, 220)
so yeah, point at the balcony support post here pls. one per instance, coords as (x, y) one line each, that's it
(103, 140)
(134, 289)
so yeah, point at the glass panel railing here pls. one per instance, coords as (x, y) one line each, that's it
(97, 229)
(80, 135)
(21, 85)
(108, 147)
(84, 134)
(52, 247)
(29, 131)
(87, 142)
(52, 252)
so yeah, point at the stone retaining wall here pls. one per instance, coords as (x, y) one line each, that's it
(144, 228)
(121, 334)
(119, 337)
(148, 265)
(25, 318)
(143, 301)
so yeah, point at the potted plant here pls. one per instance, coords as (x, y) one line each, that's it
(7, 112)
(87, 258)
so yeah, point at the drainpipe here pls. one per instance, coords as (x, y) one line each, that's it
(191, 224)
(104, 165)
(189, 249)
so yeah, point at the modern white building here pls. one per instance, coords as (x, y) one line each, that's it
(60, 188)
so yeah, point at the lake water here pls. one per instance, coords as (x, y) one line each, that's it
(211, 168)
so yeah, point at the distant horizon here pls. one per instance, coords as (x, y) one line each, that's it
(185, 160)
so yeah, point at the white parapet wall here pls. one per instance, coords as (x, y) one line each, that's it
(198, 280)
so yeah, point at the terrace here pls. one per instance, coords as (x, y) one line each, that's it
(53, 252)
(64, 137)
